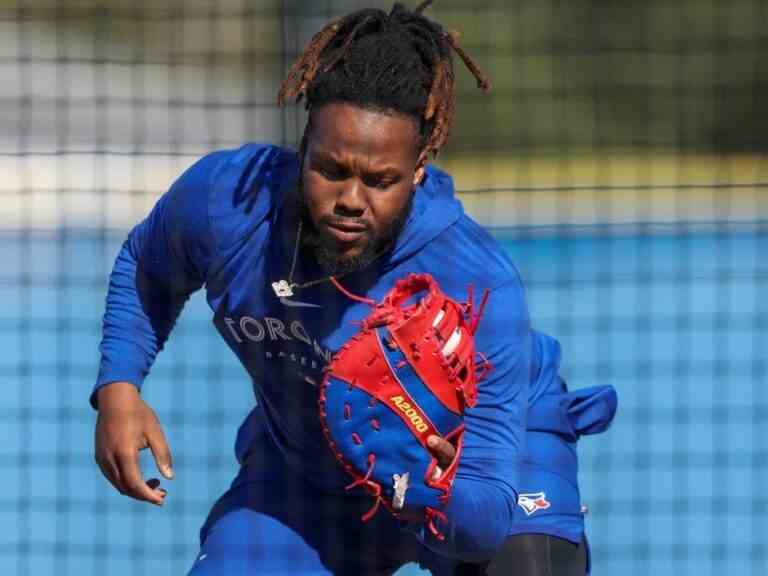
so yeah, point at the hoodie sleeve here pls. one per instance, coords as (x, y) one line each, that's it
(482, 501)
(163, 261)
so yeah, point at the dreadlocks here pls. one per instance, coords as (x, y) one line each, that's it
(398, 62)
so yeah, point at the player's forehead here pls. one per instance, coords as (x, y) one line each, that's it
(342, 129)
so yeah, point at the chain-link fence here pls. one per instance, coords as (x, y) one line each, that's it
(619, 159)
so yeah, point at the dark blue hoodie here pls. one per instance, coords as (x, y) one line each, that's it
(220, 226)
(549, 500)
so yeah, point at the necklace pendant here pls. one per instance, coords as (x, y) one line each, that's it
(282, 289)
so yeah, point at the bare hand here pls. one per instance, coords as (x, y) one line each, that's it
(125, 425)
(444, 451)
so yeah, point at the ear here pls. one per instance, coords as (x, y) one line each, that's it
(421, 168)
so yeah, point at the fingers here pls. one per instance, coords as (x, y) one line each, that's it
(105, 457)
(133, 484)
(154, 483)
(111, 472)
(160, 450)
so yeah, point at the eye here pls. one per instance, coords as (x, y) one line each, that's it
(331, 172)
(379, 183)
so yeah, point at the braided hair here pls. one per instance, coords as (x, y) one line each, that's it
(397, 62)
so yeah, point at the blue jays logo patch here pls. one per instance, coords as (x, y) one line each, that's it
(533, 502)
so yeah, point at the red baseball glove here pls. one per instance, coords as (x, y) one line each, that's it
(410, 373)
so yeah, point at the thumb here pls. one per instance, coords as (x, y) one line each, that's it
(442, 450)
(160, 450)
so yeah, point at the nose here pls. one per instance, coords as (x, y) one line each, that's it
(351, 199)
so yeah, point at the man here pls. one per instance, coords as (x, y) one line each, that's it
(356, 209)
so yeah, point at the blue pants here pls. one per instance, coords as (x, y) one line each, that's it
(272, 521)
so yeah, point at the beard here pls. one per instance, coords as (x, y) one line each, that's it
(324, 247)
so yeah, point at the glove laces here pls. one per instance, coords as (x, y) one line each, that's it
(373, 488)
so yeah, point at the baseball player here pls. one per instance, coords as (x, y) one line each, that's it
(282, 242)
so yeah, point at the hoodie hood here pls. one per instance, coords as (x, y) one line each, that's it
(435, 208)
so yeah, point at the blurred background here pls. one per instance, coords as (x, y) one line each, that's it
(620, 159)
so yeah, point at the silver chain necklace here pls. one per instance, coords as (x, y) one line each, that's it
(287, 288)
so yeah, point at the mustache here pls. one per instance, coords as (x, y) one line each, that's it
(342, 221)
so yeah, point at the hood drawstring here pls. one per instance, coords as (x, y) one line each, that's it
(349, 294)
